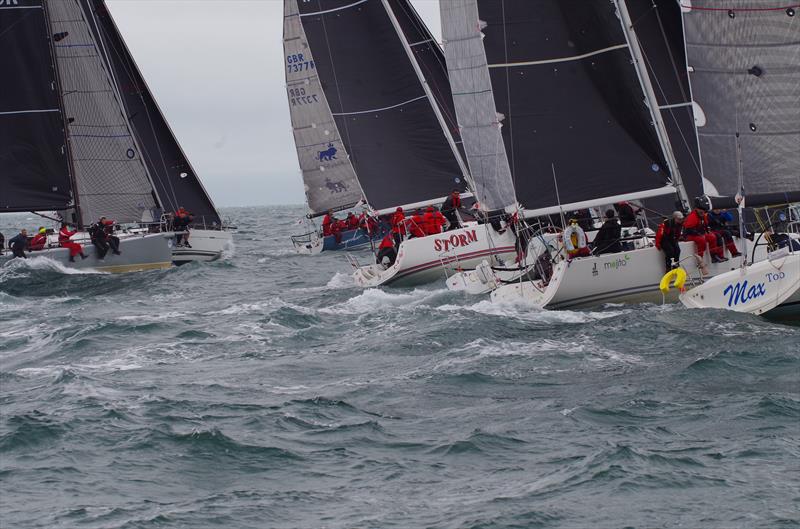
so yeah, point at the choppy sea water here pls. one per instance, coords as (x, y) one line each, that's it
(267, 391)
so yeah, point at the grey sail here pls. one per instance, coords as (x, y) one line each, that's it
(110, 176)
(744, 69)
(34, 163)
(479, 123)
(328, 176)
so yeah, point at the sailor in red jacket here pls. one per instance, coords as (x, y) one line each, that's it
(695, 229)
(667, 237)
(386, 249)
(330, 226)
(352, 221)
(398, 226)
(415, 225)
(432, 221)
(39, 240)
(64, 241)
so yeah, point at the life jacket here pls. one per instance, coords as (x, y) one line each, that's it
(416, 226)
(38, 242)
(327, 222)
(352, 222)
(64, 235)
(667, 230)
(695, 223)
(574, 238)
(387, 242)
(398, 223)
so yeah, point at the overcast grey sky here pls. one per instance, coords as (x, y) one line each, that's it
(216, 69)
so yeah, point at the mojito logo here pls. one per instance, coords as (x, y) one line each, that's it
(617, 264)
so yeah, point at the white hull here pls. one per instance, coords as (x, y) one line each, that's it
(207, 245)
(632, 276)
(138, 252)
(427, 259)
(770, 287)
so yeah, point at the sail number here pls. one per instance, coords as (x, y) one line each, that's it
(297, 63)
(298, 96)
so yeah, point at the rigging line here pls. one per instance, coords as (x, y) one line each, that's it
(379, 109)
(348, 6)
(513, 167)
(559, 59)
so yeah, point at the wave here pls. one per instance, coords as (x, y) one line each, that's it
(531, 313)
(43, 263)
(375, 300)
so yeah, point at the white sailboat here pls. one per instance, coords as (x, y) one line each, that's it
(392, 126)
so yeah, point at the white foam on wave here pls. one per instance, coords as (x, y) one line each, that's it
(340, 281)
(45, 263)
(376, 300)
(269, 306)
(153, 317)
(531, 313)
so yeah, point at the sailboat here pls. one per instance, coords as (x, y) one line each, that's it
(175, 180)
(329, 178)
(65, 142)
(570, 155)
(393, 126)
(745, 78)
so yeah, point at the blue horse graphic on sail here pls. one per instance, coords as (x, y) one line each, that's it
(327, 155)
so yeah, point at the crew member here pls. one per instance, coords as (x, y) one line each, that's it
(111, 239)
(181, 221)
(18, 243)
(575, 240)
(416, 225)
(608, 236)
(695, 229)
(398, 224)
(64, 241)
(718, 224)
(39, 241)
(330, 226)
(667, 237)
(352, 221)
(432, 221)
(386, 249)
(626, 213)
(449, 209)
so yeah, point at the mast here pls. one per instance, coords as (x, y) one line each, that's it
(650, 98)
(436, 110)
(67, 140)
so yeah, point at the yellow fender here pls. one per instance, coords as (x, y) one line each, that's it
(676, 274)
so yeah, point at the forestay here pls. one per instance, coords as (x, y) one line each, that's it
(329, 178)
(478, 121)
(173, 176)
(110, 175)
(744, 64)
(34, 167)
(398, 147)
(563, 75)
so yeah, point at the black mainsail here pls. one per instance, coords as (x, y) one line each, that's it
(173, 176)
(402, 152)
(569, 100)
(34, 161)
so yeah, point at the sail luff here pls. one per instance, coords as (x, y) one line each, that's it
(650, 98)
